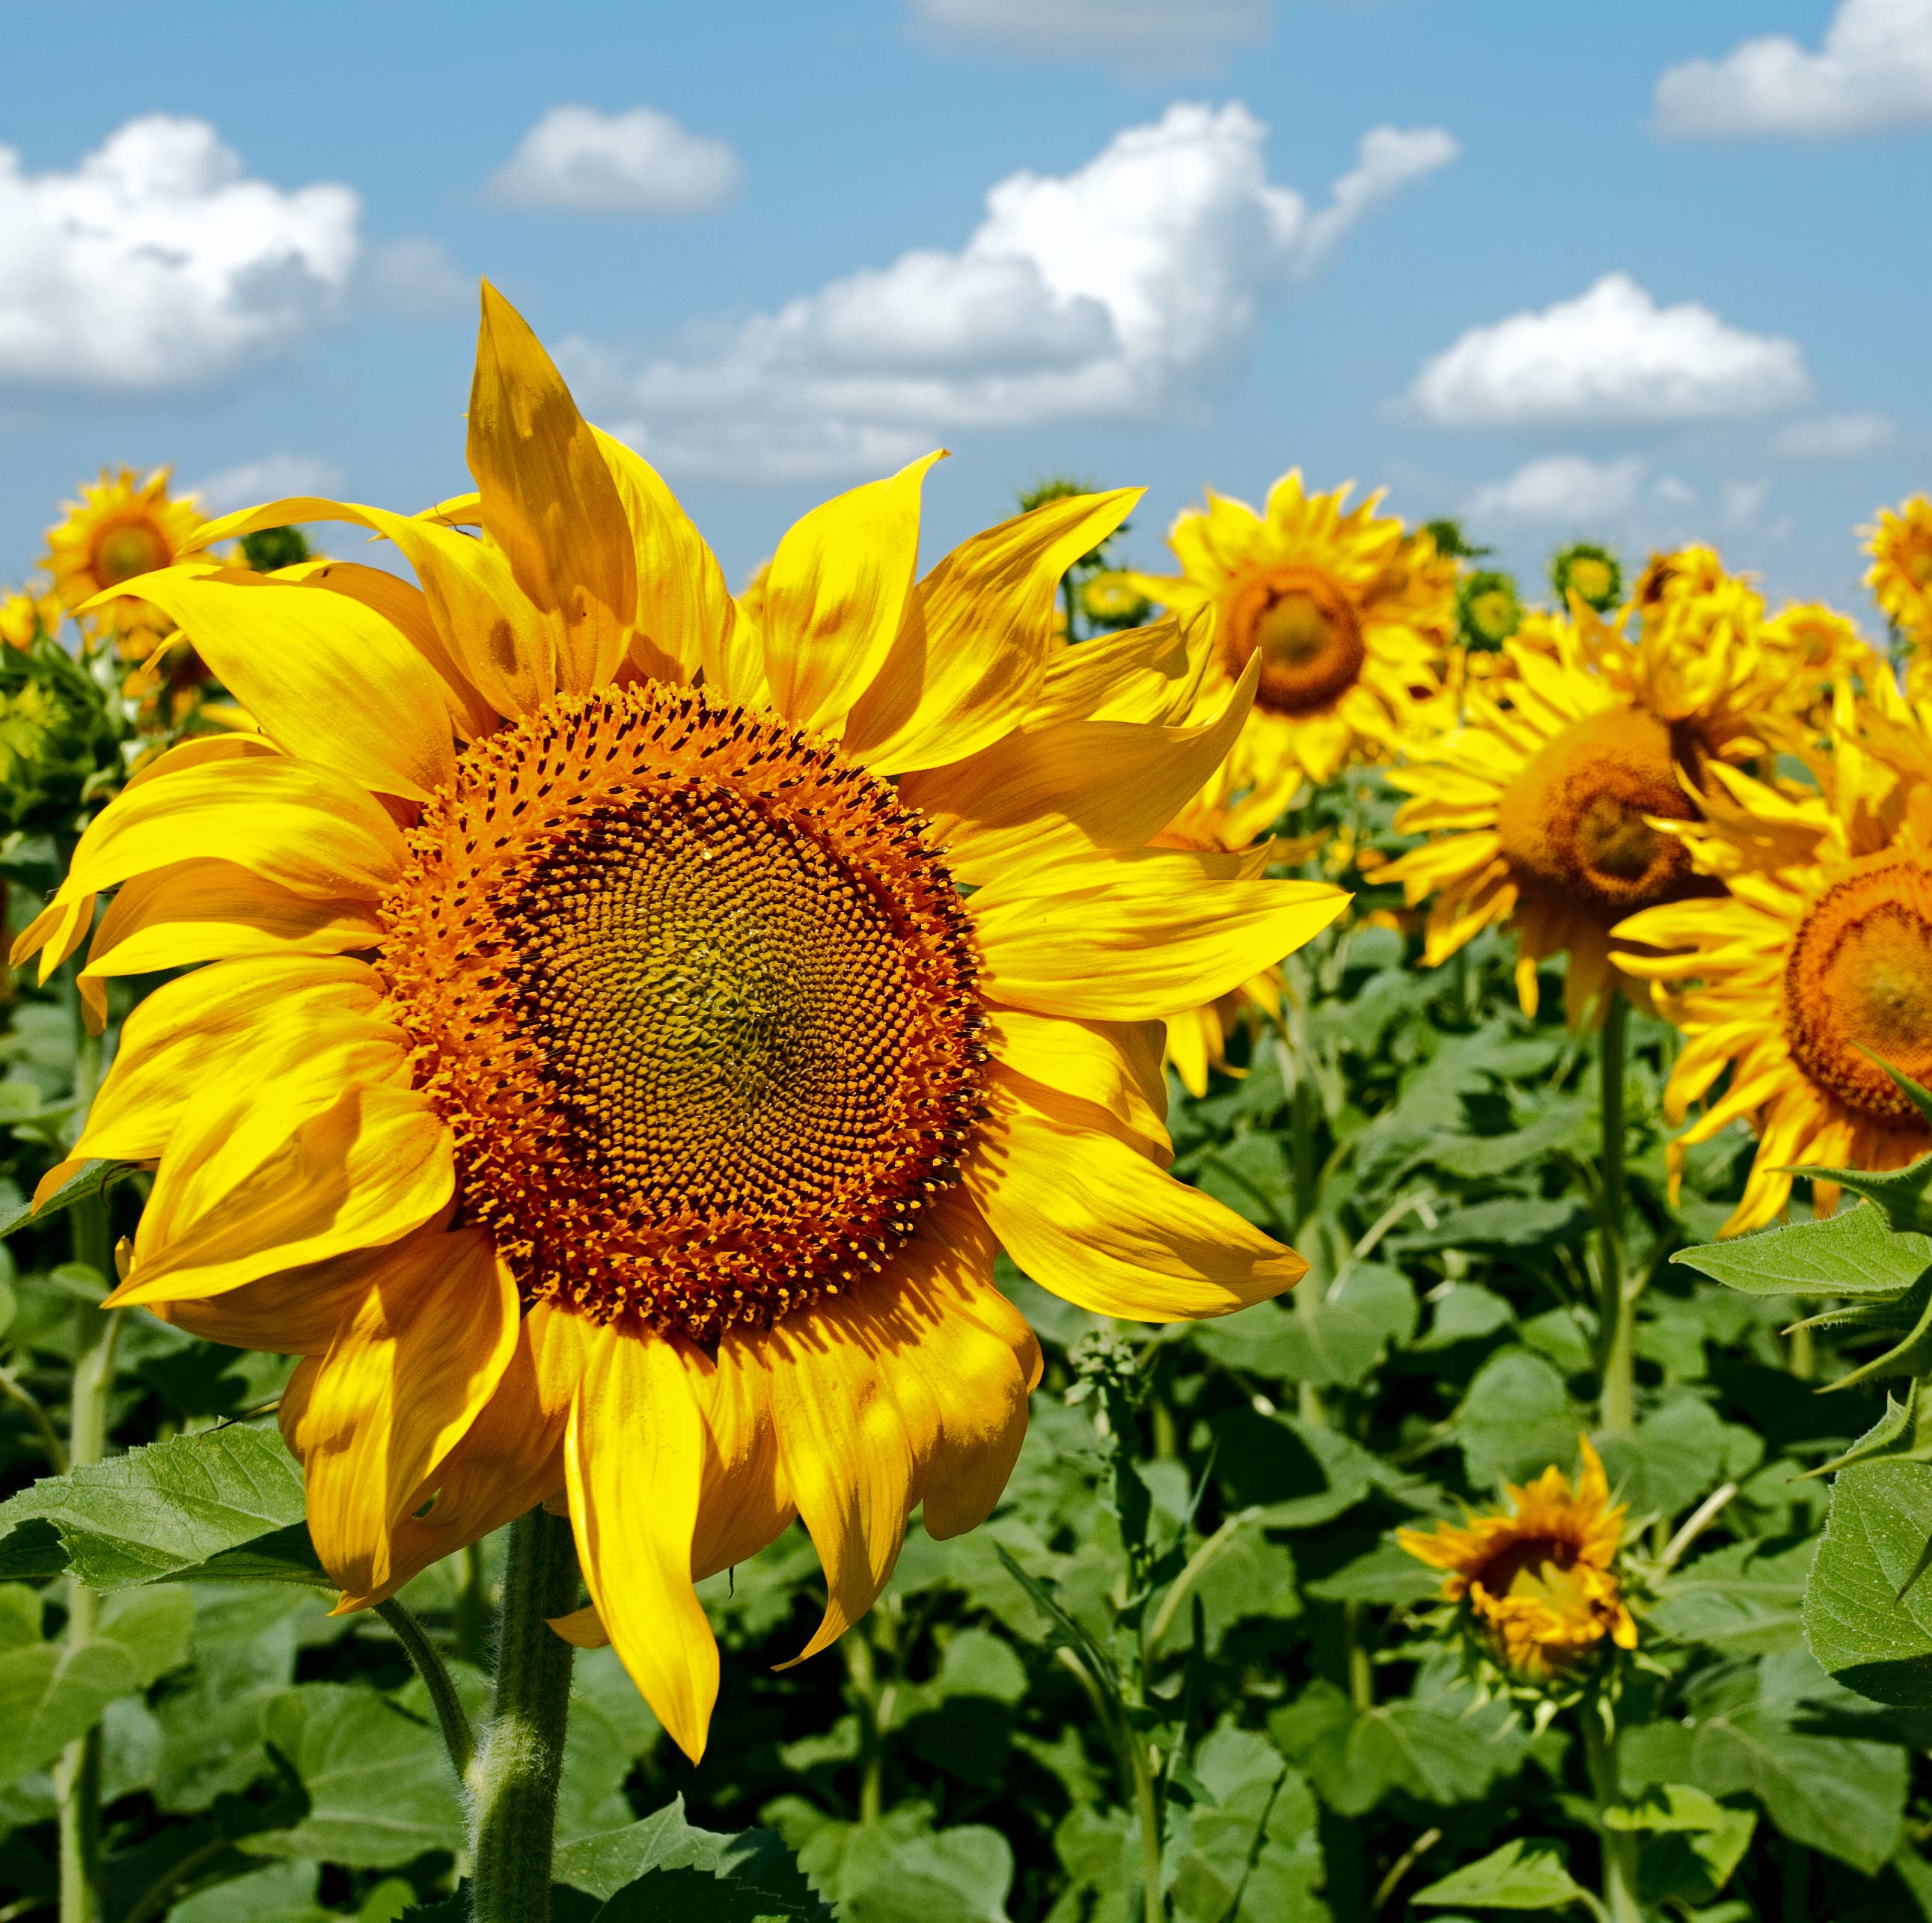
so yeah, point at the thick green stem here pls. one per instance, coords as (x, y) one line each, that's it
(450, 1717)
(1146, 1809)
(1619, 1846)
(862, 1675)
(77, 1772)
(1618, 1307)
(1304, 1119)
(513, 1781)
(1361, 1668)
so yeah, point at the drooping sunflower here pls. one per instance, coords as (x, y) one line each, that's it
(1819, 959)
(1900, 543)
(1538, 1577)
(1540, 809)
(1348, 615)
(121, 528)
(629, 1029)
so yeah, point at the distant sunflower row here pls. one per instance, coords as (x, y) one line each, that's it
(1722, 812)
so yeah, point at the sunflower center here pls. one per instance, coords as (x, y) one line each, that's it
(1303, 624)
(1859, 978)
(125, 549)
(1573, 820)
(1918, 567)
(1526, 1566)
(1589, 577)
(698, 1000)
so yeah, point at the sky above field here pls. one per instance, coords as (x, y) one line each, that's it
(1643, 272)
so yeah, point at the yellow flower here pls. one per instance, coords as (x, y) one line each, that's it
(25, 615)
(1675, 575)
(1347, 614)
(1900, 576)
(1113, 601)
(1539, 808)
(1592, 574)
(120, 529)
(630, 1027)
(1539, 1579)
(1822, 953)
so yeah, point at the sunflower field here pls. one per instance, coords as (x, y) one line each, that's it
(991, 1240)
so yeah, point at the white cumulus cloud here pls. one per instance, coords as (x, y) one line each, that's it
(577, 160)
(1116, 291)
(1612, 354)
(273, 479)
(158, 262)
(1561, 488)
(1835, 437)
(1185, 34)
(1873, 70)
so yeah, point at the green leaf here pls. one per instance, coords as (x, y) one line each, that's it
(1855, 1252)
(1517, 1419)
(86, 1181)
(1251, 1851)
(1388, 1575)
(172, 1509)
(1519, 1223)
(1674, 1457)
(1746, 1599)
(1867, 1613)
(1337, 1340)
(694, 1896)
(901, 1870)
(380, 1788)
(283, 1893)
(1698, 1841)
(1520, 1876)
(50, 1693)
(153, 1626)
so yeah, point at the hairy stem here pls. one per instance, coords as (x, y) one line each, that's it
(451, 1717)
(513, 1780)
(1618, 1307)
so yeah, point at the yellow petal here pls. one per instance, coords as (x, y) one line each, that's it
(1086, 1217)
(837, 591)
(1139, 938)
(548, 498)
(209, 910)
(1146, 674)
(399, 1385)
(966, 671)
(323, 675)
(1070, 785)
(367, 1170)
(1113, 1067)
(685, 612)
(634, 1456)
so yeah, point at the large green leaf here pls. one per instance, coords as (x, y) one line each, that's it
(1855, 1252)
(1520, 1876)
(1336, 1340)
(1250, 1850)
(1745, 1599)
(191, 1505)
(1517, 1419)
(1675, 1456)
(1867, 1611)
(50, 1693)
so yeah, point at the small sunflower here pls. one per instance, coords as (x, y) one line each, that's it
(630, 1027)
(1111, 601)
(1538, 1578)
(119, 528)
(1541, 807)
(1900, 576)
(1592, 574)
(1672, 575)
(1348, 614)
(25, 616)
(1820, 959)
(1488, 610)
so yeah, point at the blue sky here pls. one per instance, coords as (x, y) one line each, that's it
(1606, 271)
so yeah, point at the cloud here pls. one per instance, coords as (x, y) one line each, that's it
(1874, 69)
(272, 479)
(575, 159)
(1612, 354)
(1742, 502)
(1115, 292)
(157, 262)
(1561, 488)
(1835, 437)
(418, 280)
(1187, 34)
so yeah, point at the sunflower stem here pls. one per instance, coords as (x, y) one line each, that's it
(77, 1772)
(1618, 1308)
(451, 1717)
(1620, 1845)
(513, 1780)
(1147, 1809)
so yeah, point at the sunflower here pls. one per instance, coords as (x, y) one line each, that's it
(25, 616)
(630, 1028)
(1539, 1577)
(1347, 613)
(118, 529)
(1592, 574)
(1819, 959)
(1488, 610)
(1900, 576)
(1675, 575)
(1540, 808)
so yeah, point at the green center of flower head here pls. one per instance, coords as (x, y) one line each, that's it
(700, 1003)
(127, 549)
(1590, 578)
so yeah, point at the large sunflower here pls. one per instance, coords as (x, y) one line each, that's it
(1537, 1577)
(121, 528)
(1540, 809)
(1900, 544)
(1348, 615)
(630, 1027)
(1819, 959)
